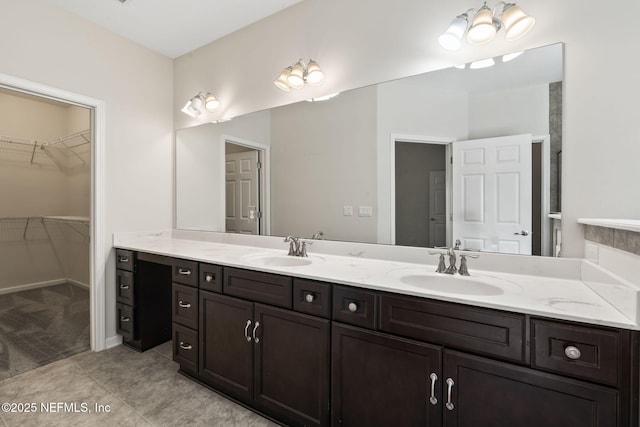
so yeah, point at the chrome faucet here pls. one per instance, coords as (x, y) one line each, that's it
(317, 236)
(297, 247)
(451, 252)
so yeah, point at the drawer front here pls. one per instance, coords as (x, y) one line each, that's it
(211, 277)
(185, 272)
(125, 259)
(185, 305)
(185, 348)
(125, 287)
(312, 297)
(260, 287)
(354, 306)
(580, 351)
(478, 330)
(126, 321)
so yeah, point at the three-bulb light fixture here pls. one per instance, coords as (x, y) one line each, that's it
(485, 24)
(299, 74)
(199, 103)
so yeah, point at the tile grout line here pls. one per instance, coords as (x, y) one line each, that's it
(112, 393)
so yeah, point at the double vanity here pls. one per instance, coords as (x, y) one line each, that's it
(347, 339)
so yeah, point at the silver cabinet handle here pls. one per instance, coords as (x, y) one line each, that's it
(123, 259)
(309, 298)
(184, 305)
(125, 319)
(434, 378)
(353, 307)
(450, 384)
(521, 233)
(184, 271)
(246, 331)
(255, 338)
(572, 352)
(185, 346)
(124, 286)
(208, 278)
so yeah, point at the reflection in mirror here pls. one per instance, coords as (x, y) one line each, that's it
(374, 164)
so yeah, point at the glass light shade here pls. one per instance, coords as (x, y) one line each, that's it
(210, 102)
(516, 22)
(296, 78)
(196, 104)
(452, 38)
(315, 76)
(484, 63)
(281, 81)
(482, 29)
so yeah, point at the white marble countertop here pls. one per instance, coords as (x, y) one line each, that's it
(586, 294)
(620, 224)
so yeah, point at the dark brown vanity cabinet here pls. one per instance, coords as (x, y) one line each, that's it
(272, 358)
(454, 365)
(143, 299)
(184, 314)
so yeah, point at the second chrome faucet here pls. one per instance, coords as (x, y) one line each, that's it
(297, 246)
(451, 252)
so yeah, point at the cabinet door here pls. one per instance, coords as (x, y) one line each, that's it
(381, 380)
(226, 354)
(292, 366)
(490, 393)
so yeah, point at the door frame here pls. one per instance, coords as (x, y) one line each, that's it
(418, 139)
(264, 181)
(97, 249)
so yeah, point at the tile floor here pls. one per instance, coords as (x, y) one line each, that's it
(141, 389)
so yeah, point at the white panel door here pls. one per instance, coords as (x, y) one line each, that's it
(491, 203)
(437, 209)
(242, 196)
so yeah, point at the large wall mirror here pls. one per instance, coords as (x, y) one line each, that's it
(468, 154)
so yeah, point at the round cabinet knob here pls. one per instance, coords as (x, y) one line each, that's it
(208, 278)
(353, 307)
(309, 298)
(572, 352)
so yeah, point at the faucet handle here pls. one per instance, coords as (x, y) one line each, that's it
(441, 265)
(464, 271)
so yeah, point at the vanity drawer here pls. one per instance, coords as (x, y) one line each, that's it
(580, 351)
(125, 287)
(488, 332)
(185, 348)
(256, 286)
(211, 277)
(312, 297)
(126, 321)
(185, 305)
(125, 259)
(354, 306)
(185, 272)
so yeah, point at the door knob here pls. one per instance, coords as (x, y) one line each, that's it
(521, 233)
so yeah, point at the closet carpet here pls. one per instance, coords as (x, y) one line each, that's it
(40, 326)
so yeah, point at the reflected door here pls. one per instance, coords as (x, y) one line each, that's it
(242, 196)
(492, 194)
(437, 208)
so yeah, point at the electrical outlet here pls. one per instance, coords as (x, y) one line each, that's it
(347, 210)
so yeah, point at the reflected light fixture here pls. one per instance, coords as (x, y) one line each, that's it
(485, 24)
(194, 106)
(299, 74)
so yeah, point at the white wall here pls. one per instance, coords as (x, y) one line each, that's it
(363, 41)
(323, 157)
(52, 47)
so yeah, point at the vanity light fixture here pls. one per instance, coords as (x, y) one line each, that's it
(194, 107)
(485, 24)
(299, 74)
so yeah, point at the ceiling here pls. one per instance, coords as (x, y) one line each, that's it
(173, 27)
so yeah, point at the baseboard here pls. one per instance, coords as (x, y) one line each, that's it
(113, 342)
(29, 286)
(78, 283)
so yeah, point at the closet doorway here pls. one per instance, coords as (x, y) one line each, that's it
(45, 211)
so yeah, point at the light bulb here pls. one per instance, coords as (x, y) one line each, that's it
(452, 38)
(210, 102)
(315, 76)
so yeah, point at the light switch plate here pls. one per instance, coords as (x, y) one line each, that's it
(365, 211)
(347, 210)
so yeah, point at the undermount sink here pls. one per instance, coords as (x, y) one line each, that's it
(271, 260)
(451, 284)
